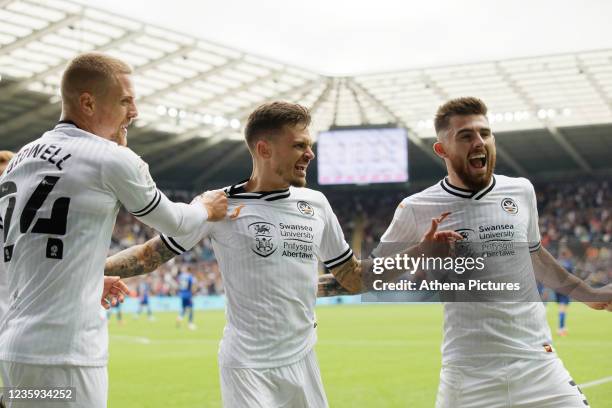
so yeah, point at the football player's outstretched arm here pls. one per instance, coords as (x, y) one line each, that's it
(548, 271)
(139, 259)
(356, 276)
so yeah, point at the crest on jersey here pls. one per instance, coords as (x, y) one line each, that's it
(264, 235)
(509, 206)
(467, 233)
(305, 208)
(465, 247)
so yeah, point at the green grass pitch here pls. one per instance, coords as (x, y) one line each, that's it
(370, 356)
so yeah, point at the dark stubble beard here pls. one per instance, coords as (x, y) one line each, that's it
(475, 183)
(294, 182)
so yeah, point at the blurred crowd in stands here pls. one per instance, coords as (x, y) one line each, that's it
(574, 217)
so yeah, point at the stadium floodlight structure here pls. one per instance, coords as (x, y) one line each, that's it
(191, 90)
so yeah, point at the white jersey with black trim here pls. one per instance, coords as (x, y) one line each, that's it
(59, 198)
(3, 280)
(267, 249)
(506, 210)
(3, 289)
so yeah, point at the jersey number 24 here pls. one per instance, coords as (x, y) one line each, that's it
(54, 225)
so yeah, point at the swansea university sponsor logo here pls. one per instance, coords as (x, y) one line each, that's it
(509, 206)
(297, 240)
(305, 208)
(264, 238)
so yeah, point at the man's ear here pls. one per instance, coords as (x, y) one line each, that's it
(438, 149)
(87, 103)
(263, 149)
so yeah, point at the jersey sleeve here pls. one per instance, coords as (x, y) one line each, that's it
(533, 229)
(401, 233)
(128, 177)
(334, 250)
(184, 243)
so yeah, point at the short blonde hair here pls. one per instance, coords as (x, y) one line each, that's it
(91, 72)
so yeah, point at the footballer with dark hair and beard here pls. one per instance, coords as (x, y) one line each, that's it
(494, 353)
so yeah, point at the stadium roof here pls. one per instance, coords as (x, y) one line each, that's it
(337, 37)
(551, 113)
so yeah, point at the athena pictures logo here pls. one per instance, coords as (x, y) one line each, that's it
(264, 235)
(305, 208)
(509, 206)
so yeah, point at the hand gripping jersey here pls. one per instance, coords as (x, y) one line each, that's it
(267, 249)
(59, 198)
(505, 211)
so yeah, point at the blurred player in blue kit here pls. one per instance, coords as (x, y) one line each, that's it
(117, 309)
(185, 281)
(563, 301)
(144, 290)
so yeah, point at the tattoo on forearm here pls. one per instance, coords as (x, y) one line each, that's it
(329, 286)
(349, 275)
(139, 259)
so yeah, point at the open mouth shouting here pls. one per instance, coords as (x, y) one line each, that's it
(300, 169)
(478, 161)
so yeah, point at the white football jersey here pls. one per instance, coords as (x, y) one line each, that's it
(3, 289)
(59, 198)
(267, 249)
(504, 212)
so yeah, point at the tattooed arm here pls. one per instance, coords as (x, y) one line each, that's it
(356, 276)
(139, 259)
(349, 273)
(329, 286)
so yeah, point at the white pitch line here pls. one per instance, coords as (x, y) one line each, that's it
(134, 339)
(596, 382)
(374, 343)
(146, 340)
(340, 343)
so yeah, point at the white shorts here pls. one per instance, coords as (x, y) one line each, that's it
(297, 385)
(90, 384)
(506, 382)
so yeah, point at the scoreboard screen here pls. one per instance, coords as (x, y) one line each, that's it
(362, 156)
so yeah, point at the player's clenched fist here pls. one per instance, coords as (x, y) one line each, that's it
(113, 292)
(601, 298)
(215, 202)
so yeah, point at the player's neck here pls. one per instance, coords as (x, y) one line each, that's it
(263, 182)
(78, 121)
(455, 181)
